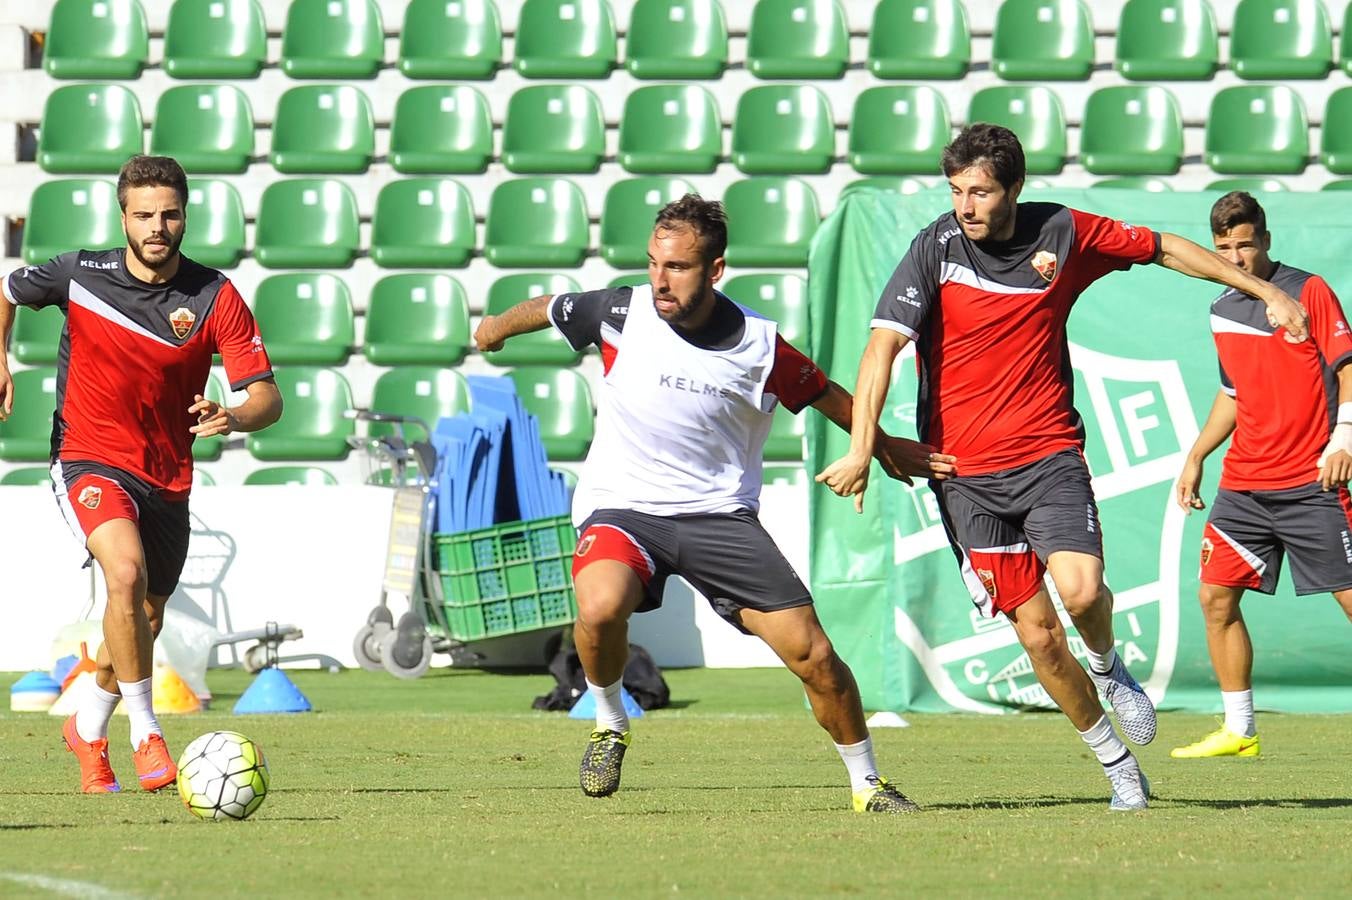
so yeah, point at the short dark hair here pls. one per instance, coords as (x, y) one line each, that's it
(704, 217)
(151, 171)
(1237, 208)
(993, 146)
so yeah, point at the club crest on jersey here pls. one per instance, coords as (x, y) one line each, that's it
(1044, 263)
(181, 320)
(987, 581)
(91, 497)
(584, 545)
(1207, 548)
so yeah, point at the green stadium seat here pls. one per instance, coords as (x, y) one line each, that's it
(1342, 184)
(1132, 130)
(332, 39)
(208, 128)
(565, 39)
(781, 298)
(546, 347)
(441, 129)
(422, 222)
(562, 402)
(1135, 183)
(26, 436)
(306, 223)
(793, 476)
(450, 39)
(421, 392)
(1252, 185)
(202, 478)
(1345, 43)
(627, 218)
(215, 39)
(305, 319)
(898, 130)
(536, 222)
(417, 319)
(783, 129)
(89, 128)
(1335, 143)
(215, 223)
(305, 476)
(1257, 129)
(629, 279)
(770, 221)
(919, 39)
(785, 442)
(553, 128)
(320, 129)
(96, 39)
(1043, 40)
(317, 423)
(885, 183)
(210, 448)
(1279, 39)
(28, 476)
(797, 39)
(1167, 40)
(677, 39)
(71, 214)
(670, 129)
(36, 338)
(1033, 113)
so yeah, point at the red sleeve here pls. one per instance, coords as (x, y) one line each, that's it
(1104, 245)
(235, 334)
(1328, 325)
(794, 378)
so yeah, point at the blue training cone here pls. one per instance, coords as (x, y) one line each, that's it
(585, 707)
(272, 692)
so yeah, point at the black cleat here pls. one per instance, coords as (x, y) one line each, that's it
(600, 770)
(882, 796)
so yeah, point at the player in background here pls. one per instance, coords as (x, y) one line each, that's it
(142, 323)
(672, 482)
(1283, 489)
(985, 292)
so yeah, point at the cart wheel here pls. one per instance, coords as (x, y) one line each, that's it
(366, 644)
(256, 659)
(407, 652)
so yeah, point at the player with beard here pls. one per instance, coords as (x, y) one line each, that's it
(985, 292)
(142, 323)
(672, 482)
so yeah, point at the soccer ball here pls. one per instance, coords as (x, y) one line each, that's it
(222, 775)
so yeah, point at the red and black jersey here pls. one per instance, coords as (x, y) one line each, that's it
(133, 355)
(1286, 395)
(989, 323)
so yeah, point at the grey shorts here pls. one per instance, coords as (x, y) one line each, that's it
(1250, 532)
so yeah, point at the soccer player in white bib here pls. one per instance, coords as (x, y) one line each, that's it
(672, 483)
(1283, 489)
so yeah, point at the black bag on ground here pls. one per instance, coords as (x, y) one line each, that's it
(642, 679)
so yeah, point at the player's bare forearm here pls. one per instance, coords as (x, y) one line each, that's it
(262, 408)
(900, 458)
(870, 391)
(1195, 261)
(1219, 425)
(527, 316)
(6, 382)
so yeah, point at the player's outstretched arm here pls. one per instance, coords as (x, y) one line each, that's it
(1335, 463)
(260, 409)
(1220, 424)
(6, 382)
(1182, 255)
(900, 458)
(527, 316)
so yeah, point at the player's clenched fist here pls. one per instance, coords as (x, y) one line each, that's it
(486, 337)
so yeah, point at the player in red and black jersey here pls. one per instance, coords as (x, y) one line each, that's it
(142, 323)
(1283, 490)
(985, 293)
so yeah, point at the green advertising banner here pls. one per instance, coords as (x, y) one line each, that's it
(886, 583)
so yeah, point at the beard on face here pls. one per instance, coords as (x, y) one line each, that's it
(170, 245)
(682, 311)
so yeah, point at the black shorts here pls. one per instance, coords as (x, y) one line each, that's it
(1003, 525)
(727, 557)
(1249, 532)
(91, 493)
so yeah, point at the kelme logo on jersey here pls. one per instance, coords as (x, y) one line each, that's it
(91, 497)
(1044, 263)
(181, 321)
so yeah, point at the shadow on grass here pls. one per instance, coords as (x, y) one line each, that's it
(1273, 802)
(34, 826)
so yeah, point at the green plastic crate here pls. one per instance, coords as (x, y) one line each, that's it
(508, 578)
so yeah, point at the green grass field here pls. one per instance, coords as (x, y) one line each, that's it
(452, 786)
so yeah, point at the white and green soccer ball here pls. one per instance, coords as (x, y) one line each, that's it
(222, 775)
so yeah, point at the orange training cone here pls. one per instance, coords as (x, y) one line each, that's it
(171, 693)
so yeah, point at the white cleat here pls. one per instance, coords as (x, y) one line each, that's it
(1132, 707)
(1131, 789)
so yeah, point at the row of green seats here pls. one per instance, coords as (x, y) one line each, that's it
(795, 39)
(426, 222)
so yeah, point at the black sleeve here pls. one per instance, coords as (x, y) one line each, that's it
(44, 285)
(911, 291)
(579, 317)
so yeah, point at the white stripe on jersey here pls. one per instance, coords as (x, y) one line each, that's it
(894, 326)
(1222, 325)
(83, 297)
(952, 272)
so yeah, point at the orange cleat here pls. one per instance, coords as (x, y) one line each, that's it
(96, 774)
(154, 766)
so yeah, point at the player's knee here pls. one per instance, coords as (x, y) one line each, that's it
(600, 609)
(1220, 605)
(1044, 641)
(126, 580)
(816, 663)
(1081, 596)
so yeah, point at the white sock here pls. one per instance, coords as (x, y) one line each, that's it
(136, 695)
(1238, 712)
(1105, 743)
(91, 719)
(610, 714)
(859, 762)
(1101, 663)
